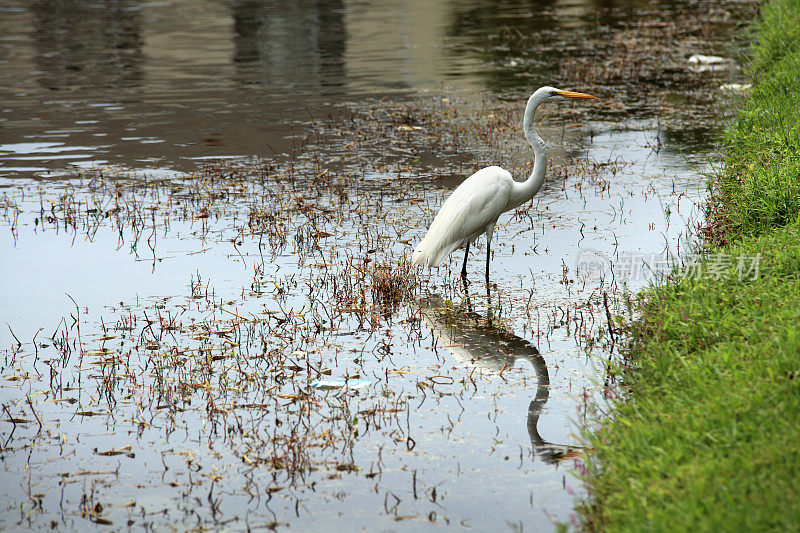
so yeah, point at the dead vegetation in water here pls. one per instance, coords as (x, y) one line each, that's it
(212, 393)
(201, 408)
(391, 285)
(216, 392)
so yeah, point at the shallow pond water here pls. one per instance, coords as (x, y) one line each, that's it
(212, 324)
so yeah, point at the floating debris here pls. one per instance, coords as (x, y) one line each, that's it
(704, 63)
(328, 384)
(699, 59)
(736, 87)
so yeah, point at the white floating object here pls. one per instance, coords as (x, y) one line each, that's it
(702, 63)
(736, 87)
(699, 59)
(328, 384)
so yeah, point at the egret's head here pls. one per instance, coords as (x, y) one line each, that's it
(551, 94)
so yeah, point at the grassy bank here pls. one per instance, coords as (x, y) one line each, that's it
(709, 437)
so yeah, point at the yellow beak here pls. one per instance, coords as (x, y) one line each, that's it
(570, 94)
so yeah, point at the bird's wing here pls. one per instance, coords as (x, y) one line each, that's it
(475, 204)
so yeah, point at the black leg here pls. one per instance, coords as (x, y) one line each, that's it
(466, 294)
(488, 250)
(464, 268)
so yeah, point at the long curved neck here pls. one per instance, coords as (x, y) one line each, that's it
(522, 192)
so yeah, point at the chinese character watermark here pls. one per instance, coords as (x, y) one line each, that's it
(641, 267)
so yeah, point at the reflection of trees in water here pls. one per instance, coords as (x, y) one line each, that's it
(525, 41)
(473, 341)
(93, 45)
(288, 43)
(500, 32)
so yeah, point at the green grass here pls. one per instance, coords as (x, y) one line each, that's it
(709, 438)
(760, 187)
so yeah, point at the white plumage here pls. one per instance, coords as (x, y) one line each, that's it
(470, 211)
(474, 207)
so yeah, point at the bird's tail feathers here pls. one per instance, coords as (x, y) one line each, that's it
(420, 255)
(431, 252)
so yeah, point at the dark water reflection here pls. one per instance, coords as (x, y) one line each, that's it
(87, 47)
(290, 45)
(476, 343)
(159, 83)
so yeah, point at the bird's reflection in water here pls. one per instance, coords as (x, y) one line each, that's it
(474, 342)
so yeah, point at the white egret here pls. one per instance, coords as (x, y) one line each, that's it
(476, 204)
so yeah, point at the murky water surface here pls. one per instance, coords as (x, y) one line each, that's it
(207, 210)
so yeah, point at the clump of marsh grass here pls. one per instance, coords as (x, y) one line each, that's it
(392, 285)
